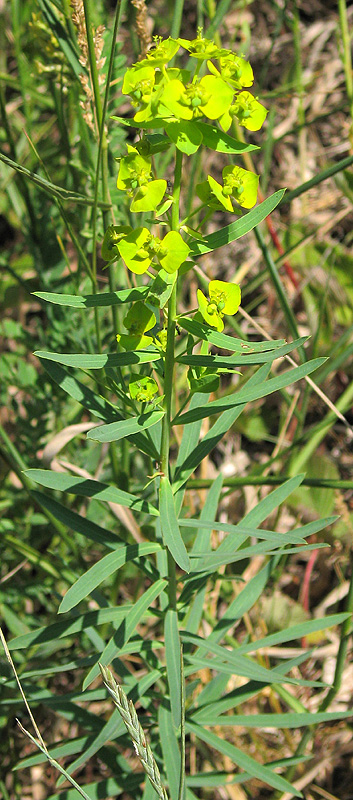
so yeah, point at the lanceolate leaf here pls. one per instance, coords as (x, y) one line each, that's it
(169, 524)
(173, 659)
(102, 570)
(221, 142)
(170, 750)
(237, 229)
(48, 187)
(239, 360)
(98, 361)
(126, 427)
(95, 300)
(125, 631)
(71, 625)
(88, 488)
(222, 340)
(213, 435)
(95, 403)
(246, 394)
(256, 770)
(277, 720)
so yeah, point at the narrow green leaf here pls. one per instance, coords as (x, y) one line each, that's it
(170, 750)
(170, 529)
(68, 627)
(95, 403)
(247, 394)
(173, 660)
(241, 666)
(202, 543)
(221, 142)
(95, 300)
(98, 361)
(126, 427)
(88, 488)
(299, 631)
(222, 340)
(236, 229)
(292, 720)
(200, 450)
(292, 537)
(126, 629)
(109, 787)
(190, 436)
(240, 360)
(60, 34)
(244, 761)
(101, 571)
(215, 560)
(48, 187)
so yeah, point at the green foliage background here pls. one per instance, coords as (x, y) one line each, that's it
(53, 538)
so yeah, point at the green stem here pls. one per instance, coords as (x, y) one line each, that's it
(268, 480)
(169, 356)
(169, 370)
(347, 57)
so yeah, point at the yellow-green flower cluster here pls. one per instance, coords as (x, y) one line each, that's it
(139, 249)
(239, 185)
(224, 298)
(168, 93)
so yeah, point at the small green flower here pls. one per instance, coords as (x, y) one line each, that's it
(210, 97)
(248, 111)
(211, 193)
(135, 177)
(224, 298)
(233, 69)
(201, 48)
(145, 86)
(142, 389)
(162, 51)
(139, 248)
(113, 236)
(137, 321)
(240, 184)
(175, 252)
(139, 83)
(133, 249)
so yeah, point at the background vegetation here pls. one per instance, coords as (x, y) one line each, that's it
(296, 276)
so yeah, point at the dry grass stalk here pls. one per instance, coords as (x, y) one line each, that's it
(141, 26)
(78, 18)
(128, 713)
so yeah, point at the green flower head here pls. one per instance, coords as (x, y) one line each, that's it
(113, 236)
(140, 248)
(134, 251)
(210, 97)
(139, 83)
(162, 51)
(135, 178)
(248, 111)
(233, 69)
(201, 48)
(224, 298)
(142, 388)
(241, 185)
(137, 321)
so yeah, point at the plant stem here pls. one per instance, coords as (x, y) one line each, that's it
(169, 370)
(169, 356)
(347, 58)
